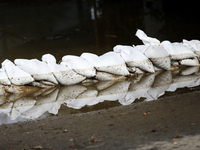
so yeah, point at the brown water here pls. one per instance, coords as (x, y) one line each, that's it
(31, 29)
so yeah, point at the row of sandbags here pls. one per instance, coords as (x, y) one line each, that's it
(151, 87)
(121, 62)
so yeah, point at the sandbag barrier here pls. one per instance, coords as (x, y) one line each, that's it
(32, 102)
(118, 64)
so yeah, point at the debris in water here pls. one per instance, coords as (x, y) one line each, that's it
(177, 136)
(175, 143)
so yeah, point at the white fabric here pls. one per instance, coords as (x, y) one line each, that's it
(91, 58)
(158, 55)
(190, 62)
(134, 58)
(112, 62)
(194, 44)
(178, 51)
(145, 39)
(15, 74)
(79, 65)
(38, 69)
(4, 77)
(64, 75)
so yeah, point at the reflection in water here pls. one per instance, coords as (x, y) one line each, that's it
(22, 106)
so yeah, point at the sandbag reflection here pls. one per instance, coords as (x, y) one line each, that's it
(34, 103)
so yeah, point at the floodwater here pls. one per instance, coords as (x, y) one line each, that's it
(31, 29)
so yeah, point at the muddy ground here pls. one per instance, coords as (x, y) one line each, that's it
(168, 123)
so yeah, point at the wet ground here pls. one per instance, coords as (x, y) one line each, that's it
(168, 123)
(98, 116)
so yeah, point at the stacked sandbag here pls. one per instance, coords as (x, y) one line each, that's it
(15, 74)
(63, 74)
(79, 65)
(118, 64)
(134, 58)
(39, 70)
(109, 66)
(112, 63)
(194, 45)
(152, 49)
(180, 52)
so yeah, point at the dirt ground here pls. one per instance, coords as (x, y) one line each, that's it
(168, 123)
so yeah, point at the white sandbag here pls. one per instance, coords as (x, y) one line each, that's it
(112, 62)
(178, 51)
(4, 78)
(134, 58)
(190, 62)
(15, 74)
(63, 74)
(91, 58)
(194, 44)
(145, 39)
(158, 56)
(38, 69)
(189, 70)
(79, 65)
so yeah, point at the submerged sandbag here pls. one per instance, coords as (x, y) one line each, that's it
(38, 69)
(79, 65)
(134, 58)
(64, 75)
(15, 74)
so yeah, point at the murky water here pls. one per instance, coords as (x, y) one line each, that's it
(29, 30)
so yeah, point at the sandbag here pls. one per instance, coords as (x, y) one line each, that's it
(158, 56)
(178, 51)
(190, 62)
(194, 45)
(134, 58)
(4, 77)
(63, 74)
(15, 74)
(145, 39)
(79, 65)
(112, 62)
(91, 58)
(39, 70)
